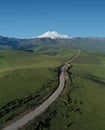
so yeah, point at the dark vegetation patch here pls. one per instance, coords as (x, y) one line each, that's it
(17, 103)
(96, 79)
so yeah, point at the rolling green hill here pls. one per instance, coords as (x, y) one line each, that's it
(25, 79)
(81, 106)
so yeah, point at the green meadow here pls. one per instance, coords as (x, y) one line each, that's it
(81, 106)
(25, 79)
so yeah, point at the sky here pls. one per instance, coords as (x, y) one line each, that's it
(29, 18)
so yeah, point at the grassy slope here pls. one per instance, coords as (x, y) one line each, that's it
(82, 104)
(16, 84)
(24, 75)
(16, 59)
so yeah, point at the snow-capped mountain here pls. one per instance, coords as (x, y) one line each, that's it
(53, 35)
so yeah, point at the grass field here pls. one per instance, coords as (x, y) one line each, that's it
(81, 106)
(25, 78)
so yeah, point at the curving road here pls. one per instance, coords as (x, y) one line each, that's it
(21, 122)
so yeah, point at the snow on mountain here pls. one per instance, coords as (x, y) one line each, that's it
(53, 35)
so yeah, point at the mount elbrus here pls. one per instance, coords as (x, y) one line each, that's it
(50, 39)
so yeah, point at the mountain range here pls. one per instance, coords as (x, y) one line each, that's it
(52, 39)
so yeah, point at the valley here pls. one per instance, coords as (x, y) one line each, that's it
(30, 73)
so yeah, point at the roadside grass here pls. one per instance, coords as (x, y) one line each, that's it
(81, 106)
(19, 87)
(16, 84)
(25, 79)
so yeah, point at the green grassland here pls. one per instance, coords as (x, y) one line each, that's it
(25, 78)
(81, 106)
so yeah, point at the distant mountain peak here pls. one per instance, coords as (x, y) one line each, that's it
(53, 35)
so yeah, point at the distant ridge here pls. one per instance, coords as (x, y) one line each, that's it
(53, 35)
(52, 39)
